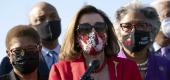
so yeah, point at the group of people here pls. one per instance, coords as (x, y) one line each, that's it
(44, 21)
(94, 48)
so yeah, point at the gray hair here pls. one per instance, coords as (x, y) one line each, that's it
(158, 5)
(148, 11)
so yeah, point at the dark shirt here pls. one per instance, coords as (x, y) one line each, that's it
(6, 68)
(9, 76)
(12, 76)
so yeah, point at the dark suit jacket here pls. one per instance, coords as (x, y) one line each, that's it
(12, 76)
(6, 68)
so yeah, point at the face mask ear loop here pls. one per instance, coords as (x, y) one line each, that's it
(49, 28)
(151, 36)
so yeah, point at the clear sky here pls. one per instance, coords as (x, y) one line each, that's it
(15, 12)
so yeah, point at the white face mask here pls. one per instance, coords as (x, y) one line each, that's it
(166, 27)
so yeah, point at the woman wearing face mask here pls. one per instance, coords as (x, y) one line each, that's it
(23, 49)
(89, 50)
(136, 27)
(44, 18)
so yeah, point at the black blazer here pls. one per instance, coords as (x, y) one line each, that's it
(6, 68)
(12, 76)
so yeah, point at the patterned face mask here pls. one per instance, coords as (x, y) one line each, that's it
(136, 41)
(92, 43)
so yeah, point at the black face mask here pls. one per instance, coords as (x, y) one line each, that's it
(49, 32)
(139, 41)
(27, 62)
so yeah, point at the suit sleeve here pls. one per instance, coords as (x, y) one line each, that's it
(54, 73)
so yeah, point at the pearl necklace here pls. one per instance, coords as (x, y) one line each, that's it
(143, 66)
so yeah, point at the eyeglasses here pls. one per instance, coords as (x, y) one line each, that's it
(20, 51)
(87, 28)
(127, 27)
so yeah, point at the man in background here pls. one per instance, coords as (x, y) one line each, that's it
(45, 19)
(162, 42)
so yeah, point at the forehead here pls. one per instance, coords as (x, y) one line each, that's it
(91, 18)
(41, 11)
(164, 5)
(21, 42)
(133, 16)
(37, 12)
(164, 9)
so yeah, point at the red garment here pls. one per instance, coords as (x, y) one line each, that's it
(73, 70)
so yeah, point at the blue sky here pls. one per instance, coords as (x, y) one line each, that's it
(15, 12)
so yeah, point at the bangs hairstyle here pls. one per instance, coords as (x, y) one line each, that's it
(71, 50)
(22, 31)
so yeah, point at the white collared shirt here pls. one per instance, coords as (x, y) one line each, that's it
(156, 46)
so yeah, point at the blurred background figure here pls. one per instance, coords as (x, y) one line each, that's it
(162, 42)
(136, 26)
(90, 37)
(45, 20)
(23, 49)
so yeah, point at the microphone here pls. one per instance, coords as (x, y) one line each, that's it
(92, 65)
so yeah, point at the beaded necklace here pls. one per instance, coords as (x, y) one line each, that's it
(143, 66)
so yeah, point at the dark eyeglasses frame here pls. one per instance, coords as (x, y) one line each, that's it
(22, 50)
(142, 26)
(87, 28)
